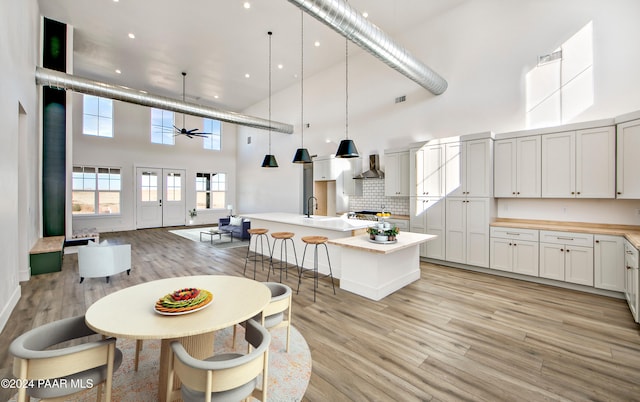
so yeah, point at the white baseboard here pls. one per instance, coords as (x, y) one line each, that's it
(8, 307)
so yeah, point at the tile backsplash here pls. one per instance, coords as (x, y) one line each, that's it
(373, 198)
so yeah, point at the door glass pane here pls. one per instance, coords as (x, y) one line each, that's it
(149, 186)
(174, 187)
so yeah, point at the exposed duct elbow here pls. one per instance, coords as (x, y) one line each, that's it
(74, 83)
(348, 22)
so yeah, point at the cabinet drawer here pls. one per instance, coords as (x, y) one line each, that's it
(514, 234)
(402, 224)
(568, 238)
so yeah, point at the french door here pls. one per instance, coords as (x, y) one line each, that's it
(160, 198)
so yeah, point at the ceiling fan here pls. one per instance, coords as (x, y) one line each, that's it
(183, 131)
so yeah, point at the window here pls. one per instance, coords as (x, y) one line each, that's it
(162, 127)
(210, 190)
(174, 187)
(97, 116)
(95, 190)
(215, 128)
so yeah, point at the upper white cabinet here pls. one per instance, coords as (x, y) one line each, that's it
(469, 168)
(579, 164)
(351, 167)
(325, 168)
(396, 176)
(516, 169)
(427, 171)
(628, 162)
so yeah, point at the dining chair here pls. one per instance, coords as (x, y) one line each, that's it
(226, 376)
(79, 367)
(273, 316)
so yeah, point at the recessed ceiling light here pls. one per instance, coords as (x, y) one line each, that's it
(247, 75)
(215, 97)
(316, 43)
(143, 92)
(246, 5)
(132, 35)
(118, 71)
(280, 66)
(115, 1)
(365, 14)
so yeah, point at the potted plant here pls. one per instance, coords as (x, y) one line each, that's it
(372, 232)
(392, 233)
(192, 213)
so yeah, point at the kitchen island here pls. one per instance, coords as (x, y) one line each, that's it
(368, 269)
(301, 225)
(375, 270)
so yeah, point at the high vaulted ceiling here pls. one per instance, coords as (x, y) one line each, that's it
(216, 42)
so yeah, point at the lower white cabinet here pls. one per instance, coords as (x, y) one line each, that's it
(467, 230)
(608, 262)
(514, 250)
(631, 285)
(566, 256)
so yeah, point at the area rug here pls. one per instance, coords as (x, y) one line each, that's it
(221, 243)
(289, 373)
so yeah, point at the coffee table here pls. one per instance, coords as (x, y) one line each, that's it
(211, 233)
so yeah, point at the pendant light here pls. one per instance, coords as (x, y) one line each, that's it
(302, 154)
(347, 148)
(269, 160)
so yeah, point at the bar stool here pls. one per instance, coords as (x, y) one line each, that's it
(313, 273)
(284, 253)
(257, 233)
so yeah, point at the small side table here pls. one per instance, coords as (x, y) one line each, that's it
(211, 233)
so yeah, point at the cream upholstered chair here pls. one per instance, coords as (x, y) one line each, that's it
(273, 316)
(226, 376)
(79, 367)
(103, 260)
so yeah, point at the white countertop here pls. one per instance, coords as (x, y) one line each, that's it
(339, 224)
(405, 239)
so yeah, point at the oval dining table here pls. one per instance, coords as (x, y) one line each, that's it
(129, 313)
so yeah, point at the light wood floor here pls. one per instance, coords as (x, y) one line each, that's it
(453, 335)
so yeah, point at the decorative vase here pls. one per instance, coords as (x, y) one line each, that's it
(382, 238)
(372, 236)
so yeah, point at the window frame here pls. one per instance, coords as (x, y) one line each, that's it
(100, 101)
(208, 127)
(97, 187)
(166, 132)
(209, 191)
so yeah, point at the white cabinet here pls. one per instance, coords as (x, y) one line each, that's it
(401, 224)
(351, 167)
(516, 169)
(631, 285)
(608, 263)
(396, 176)
(566, 256)
(325, 168)
(469, 168)
(428, 216)
(628, 162)
(579, 164)
(467, 230)
(514, 250)
(427, 168)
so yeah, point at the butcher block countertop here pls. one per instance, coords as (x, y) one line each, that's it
(631, 233)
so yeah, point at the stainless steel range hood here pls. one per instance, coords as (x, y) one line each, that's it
(374, 171)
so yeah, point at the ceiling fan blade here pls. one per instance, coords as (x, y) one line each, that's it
(192, 130)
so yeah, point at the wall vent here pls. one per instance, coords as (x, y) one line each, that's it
(548, 58)
(401, 99)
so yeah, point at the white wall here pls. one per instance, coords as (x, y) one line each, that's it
(483, 48)
(19, 206)
(131, 147)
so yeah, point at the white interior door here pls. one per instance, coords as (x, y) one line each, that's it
(160, 198)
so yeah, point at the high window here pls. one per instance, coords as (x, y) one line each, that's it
(210, 190)
(162, 127)
(97, 116)
(95, 190)
(212, 141)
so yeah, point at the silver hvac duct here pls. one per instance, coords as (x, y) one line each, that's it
(74, 83)
(350, 23)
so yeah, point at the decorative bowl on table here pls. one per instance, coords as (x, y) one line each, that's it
(183, 301)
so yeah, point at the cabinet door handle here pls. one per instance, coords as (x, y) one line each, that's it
(568, 250)
(597, 241)
(513, 193)
(510, 244)
(562, 250)
(619, 192)
(513, 234)
(564, 238)
(515, 244)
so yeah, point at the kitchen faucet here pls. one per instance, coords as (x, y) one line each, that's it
(309, 208)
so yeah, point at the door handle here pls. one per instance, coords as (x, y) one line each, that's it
(160, 203)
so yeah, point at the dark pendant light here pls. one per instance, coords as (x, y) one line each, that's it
(302, 154)
(269, 160)
(347, 148)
